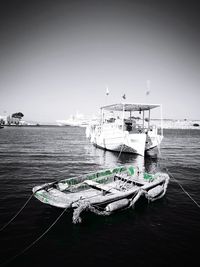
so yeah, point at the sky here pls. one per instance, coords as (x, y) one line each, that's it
(58, 57)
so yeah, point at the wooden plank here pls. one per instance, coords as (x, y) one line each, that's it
(102, 187)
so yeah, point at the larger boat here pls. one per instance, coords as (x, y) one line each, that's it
(127, 127)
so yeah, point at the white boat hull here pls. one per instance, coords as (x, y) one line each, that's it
(130, 143)
(125, 142)
(153, 141)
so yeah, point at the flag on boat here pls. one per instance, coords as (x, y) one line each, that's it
(107, 91)
(148, 87)
(124, 96)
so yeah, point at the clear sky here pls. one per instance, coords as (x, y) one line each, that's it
(57, 57)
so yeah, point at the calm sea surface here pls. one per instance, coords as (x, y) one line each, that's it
(163, 233)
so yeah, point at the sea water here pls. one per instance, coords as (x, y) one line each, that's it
(159, 233)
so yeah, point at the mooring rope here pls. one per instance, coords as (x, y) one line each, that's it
(2, 228)
(85, 205)
(20, 210)
(34, 242)
(182, 188)
(122, 147)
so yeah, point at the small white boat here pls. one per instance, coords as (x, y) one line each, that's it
(103, 192)
(121, 129)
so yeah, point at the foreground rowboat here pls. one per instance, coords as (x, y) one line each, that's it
(103, 192)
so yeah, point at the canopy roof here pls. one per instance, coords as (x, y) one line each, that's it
(130, 107)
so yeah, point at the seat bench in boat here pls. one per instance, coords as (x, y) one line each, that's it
(103, 187)
(129, 179)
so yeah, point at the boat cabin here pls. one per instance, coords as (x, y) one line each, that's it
(134, 118)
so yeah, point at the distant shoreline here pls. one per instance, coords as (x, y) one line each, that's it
(167, 124)
(178, 124)
(175, 127)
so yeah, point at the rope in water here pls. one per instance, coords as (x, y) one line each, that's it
(20, 210)
(122, 147)
(182, 188)
(34, 242)
(2, 228)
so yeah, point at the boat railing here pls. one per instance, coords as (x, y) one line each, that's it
(140, 128)
(111, 126)
(131, 126)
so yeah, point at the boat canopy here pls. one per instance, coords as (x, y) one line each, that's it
(130, 107)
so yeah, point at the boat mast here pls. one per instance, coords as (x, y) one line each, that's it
(149, 119)
(161, 119)
(123, 117)
(102, 117)
(143, 119)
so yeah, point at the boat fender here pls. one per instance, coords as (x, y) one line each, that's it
(155, 191)
(119, 204)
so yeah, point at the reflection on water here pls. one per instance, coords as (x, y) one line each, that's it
(110, 159)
